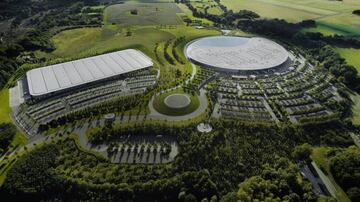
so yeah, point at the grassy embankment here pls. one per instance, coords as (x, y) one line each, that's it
(19, 138)
(161, 107)
(5, 112)
(321, 159)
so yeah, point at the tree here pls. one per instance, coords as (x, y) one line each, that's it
(229, 197)
(190, 198)
(278, 183)
(345, 167)
(302, 153)
(7, 133)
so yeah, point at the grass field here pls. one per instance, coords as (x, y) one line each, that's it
(147, 14)
(213, 8)
(5, 111)
(160, 106)
(351, 55)
(333, 17)
(319, 156)
(83, 42)
(186, 11)
(89, 41)
(270, 9)
(330, 29)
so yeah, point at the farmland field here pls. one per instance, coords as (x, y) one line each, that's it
(333, 17)
(147, 14)
(330, 28)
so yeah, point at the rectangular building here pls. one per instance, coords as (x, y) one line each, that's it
(52, 79)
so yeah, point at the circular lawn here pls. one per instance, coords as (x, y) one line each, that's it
(176, 103)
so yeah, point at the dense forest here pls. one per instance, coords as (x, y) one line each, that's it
(237, 161)
(345, 167)
(7, 134)
(229, 162)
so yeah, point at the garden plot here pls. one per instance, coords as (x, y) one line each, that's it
(141, 149)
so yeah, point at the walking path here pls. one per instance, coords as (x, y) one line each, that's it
(80, 129)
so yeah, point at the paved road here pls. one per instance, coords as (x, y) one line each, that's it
(81, 129)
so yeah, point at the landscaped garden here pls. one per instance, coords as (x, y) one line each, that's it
(167, 104)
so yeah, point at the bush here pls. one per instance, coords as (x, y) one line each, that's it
(7, 134)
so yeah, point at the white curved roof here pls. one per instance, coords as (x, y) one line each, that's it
(61, 76)
(237, 53)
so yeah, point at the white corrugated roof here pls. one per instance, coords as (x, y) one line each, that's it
(57, 77)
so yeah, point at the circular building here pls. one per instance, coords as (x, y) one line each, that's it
(238, 54)
(177, 101)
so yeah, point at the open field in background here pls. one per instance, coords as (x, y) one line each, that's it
(270, 10)
(351, 55)
(89, 41)
(328, 29)
(333, 17)
(321, 159)
(213, 6)
(148, 14)
(186, 11)
(346, 22)
(83, 42)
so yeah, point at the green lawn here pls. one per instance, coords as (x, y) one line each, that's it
(345, 21)
(83, 42)
(5, 109)
(319, 156)
(160, 106)
(270, 10)
(90, 41)
(213, 8)
(186, 11)
(5, 112)
(147, 13)
(351, 55)
(327, 29)
(332, 17)
(19, 138)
